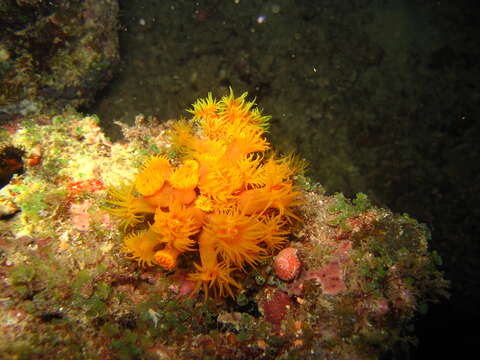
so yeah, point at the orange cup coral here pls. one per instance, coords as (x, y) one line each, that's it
(222, 196)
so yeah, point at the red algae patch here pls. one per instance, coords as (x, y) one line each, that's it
(330, 277)
(275, 307)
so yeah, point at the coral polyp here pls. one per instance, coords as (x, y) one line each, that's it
(220, 195)
(152, 177)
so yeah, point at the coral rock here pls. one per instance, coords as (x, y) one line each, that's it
(7, 208)
(287, 264)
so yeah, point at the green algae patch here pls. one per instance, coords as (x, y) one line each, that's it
(21, 278)
(345, 209)
(126, 347)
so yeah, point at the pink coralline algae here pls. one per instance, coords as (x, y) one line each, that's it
(330, 278)
(83, 217)
(343, 250)
(381, 306)
(182, 287)
(286, 264)
(80, 216)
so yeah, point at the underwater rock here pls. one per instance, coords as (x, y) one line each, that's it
(7, 208)
(55, 54)
(366, 273)
(11, 162)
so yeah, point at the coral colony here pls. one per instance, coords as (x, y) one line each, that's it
(220, 193)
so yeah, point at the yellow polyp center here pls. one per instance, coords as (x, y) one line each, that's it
(229, 233)
(166, 258)
(176, 224)
(166, 261)
(204, 203)
(186, 175)
(155, 171)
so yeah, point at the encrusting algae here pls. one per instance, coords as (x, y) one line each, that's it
(221, 195)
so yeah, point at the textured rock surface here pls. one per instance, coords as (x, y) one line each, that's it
(365, 271)
(54, 54)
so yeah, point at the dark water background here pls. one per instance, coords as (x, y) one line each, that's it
(379, 96)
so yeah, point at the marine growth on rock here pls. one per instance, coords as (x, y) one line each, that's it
(221, 193)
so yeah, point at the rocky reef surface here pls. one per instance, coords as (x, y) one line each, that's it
(54, 54)
(348, 285)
